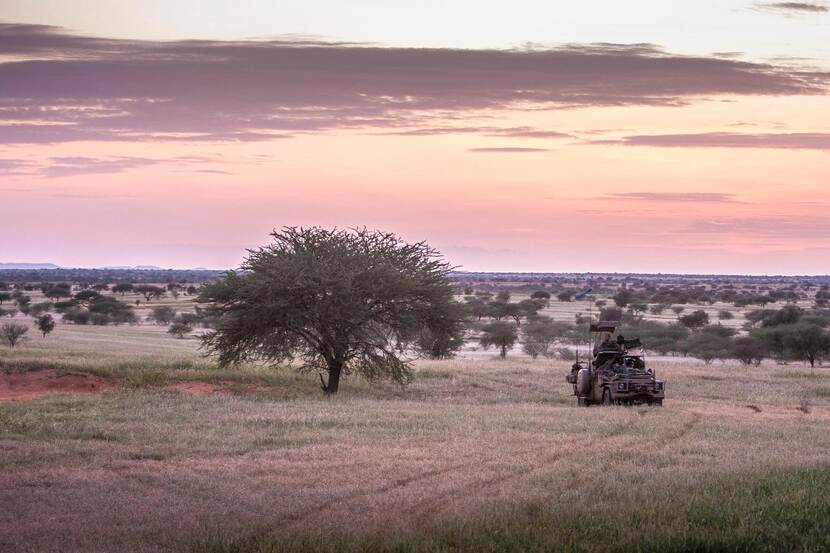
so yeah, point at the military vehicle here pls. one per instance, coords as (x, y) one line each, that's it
(615, 373)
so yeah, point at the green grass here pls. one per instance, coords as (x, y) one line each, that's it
(748, 513)
(817, 374)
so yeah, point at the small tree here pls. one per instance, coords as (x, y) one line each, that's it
(707, 347)
(163, 314)
(45, 324)
(749, 350)
(340, 301)
(501, 334)
(541, 295)
(5, 296)
(435, 342)
(122, 288)
(807, 342)
(565, 295)
(179, 330)
(678, 309)
(657, 308)
(725, 315)
(539, 336)
(477, 307)
(12, 333)
(149, 291)
(695, 319)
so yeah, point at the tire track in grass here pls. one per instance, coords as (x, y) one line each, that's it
(428, 507)
(423, 509)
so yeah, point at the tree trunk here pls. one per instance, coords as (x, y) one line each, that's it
(503, 352)
(334, 379)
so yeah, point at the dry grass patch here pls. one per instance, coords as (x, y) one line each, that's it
(491, 455)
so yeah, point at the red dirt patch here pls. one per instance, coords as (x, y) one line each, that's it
(36, 384)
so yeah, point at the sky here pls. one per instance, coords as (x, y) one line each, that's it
(543, 136)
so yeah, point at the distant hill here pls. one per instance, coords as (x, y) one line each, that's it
(27, 266)
(131, 268)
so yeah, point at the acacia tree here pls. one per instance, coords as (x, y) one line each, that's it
(12, 333)
(45, 324)
(540, 334)
(338, 301)
(500, 334)
(149, 291)
(695, 319)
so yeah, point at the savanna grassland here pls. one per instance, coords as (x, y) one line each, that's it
(167, 452)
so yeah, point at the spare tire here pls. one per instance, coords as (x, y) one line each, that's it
(583, 381)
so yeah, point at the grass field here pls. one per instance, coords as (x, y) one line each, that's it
(474, 455)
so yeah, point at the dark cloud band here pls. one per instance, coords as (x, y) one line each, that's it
(58, 87)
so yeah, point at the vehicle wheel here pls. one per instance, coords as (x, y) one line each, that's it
(606, 397)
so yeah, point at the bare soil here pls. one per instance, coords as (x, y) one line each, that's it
(36, 384)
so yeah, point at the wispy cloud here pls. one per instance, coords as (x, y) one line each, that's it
(794, 7)
(65, 166)
(69, 166)
(769, 227)
(508, 150)
(683, 197)
(513, 132)
(63, 87)
(791, 141)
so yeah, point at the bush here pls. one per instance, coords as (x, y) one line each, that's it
(45, 324)
(163, 314)
(749, 350)
(661, 338)
(725, 315)
(707, 347)
(695, 319)
(179, 330)
(501, 334)
(12, 333)
(76, 315)
(539, 334)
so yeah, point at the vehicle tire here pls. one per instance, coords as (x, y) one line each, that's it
(606, 397)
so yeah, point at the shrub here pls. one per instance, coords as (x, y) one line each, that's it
(501, 334)
(749, 350)
(540, 334)
(45, 324)
(12, 333)
(163, 314)
(695, 319)
(179, 330)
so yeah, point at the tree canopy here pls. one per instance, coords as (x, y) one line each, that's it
(338, 301)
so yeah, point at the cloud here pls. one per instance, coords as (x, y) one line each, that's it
(14, 166)
(69, 166)
(508, 150)
(767, 227)
(60, 87)
(684, 197)
(791, 141)
(65, 166)
(513, 132)
(794, 7)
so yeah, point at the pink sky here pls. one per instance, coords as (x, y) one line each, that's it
(568, 157)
